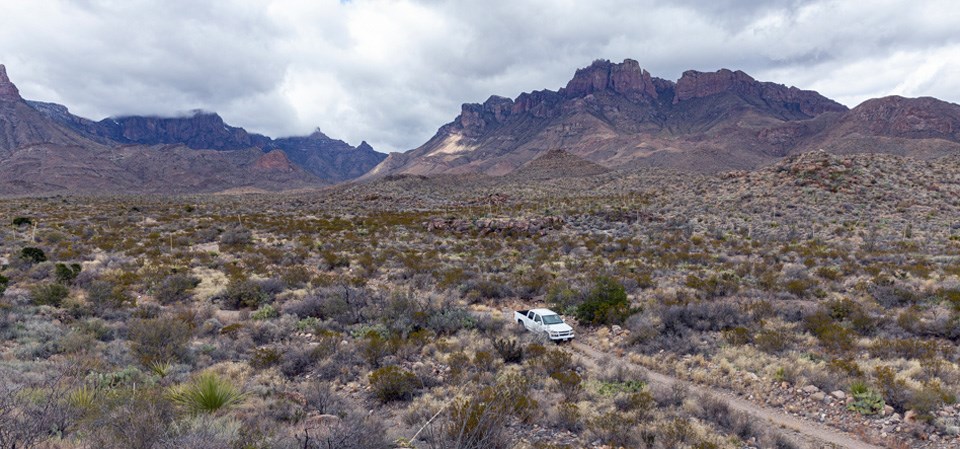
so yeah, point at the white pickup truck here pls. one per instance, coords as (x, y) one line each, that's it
(545, 321)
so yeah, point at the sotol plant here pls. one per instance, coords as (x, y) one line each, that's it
(207, 393)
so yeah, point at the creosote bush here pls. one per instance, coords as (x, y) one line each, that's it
(392, 383)
(49, 294)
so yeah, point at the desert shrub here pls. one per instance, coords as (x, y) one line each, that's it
(606, 303)
(66, 274)
(717, 411)
(22, 221)
(159, 339)
(175, 288)
(4, 282)
(297, 361)
(614, 429)
(391, 383)
(563, 298)
(449, 319)
(479, 421)
(772, 341)
(928, 399)
(737, 336)
(353, 431)
(569, 417)
(895, 391)
(33, 255)
(569, 383)
(206, 393)
(509, 349)
(832, 335)
(715, 286)
(261, 358)
(243, 293)
(800, 287)
(236, 236)
(865, 400)
(265, 312)
(104, 295)
(49, 294)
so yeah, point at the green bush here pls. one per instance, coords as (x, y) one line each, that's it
(242, 293)
(207, 393)
(606, 303)
(265, 312)
(22, 221)
(49, 294)
(66, 274)
(34, 255)
(391, 383)
(4, 282)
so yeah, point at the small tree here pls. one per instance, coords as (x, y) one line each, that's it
(33, 255)
(606, 303)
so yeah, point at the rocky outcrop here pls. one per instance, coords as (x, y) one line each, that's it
(897, 116)
(626, 78)
(695, 84)
(8, 91)
(201, 130)
(617, 114)
(274, 161)
(330, 159)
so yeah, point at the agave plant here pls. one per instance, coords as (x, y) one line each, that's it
(207, 393)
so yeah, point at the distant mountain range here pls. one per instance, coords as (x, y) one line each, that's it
(618, 115)
(45, 148)
(609, 116)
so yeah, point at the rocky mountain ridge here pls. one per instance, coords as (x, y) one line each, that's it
(618, 115)
(40, 154)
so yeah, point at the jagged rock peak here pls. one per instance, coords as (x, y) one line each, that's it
(626, 78)
(364, 146)
(8, 91)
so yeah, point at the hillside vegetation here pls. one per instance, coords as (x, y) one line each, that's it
(370, 315)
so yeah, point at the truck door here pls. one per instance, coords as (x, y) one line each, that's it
(537, 322)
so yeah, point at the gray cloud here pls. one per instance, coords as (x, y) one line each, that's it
(391, 72)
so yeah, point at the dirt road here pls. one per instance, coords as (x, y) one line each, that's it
(806, 433)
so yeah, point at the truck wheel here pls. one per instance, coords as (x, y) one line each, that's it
(520, 322)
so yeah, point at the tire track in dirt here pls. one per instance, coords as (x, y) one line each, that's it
(809, 434)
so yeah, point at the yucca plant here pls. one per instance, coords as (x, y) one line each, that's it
(160, 368)
(207, 393)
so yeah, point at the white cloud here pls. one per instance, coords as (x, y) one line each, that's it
(393, 71)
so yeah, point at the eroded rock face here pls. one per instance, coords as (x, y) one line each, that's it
(8, 91)
(626, 78)
(909, 117)
(202, 130)
(275, 161)
(694, 84)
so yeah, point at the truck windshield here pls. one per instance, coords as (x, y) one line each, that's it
(552, 319)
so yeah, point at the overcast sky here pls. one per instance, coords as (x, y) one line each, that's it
(391, 72)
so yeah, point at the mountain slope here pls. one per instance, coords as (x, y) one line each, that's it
(42, 155)
(329, 159)
(617, 115)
